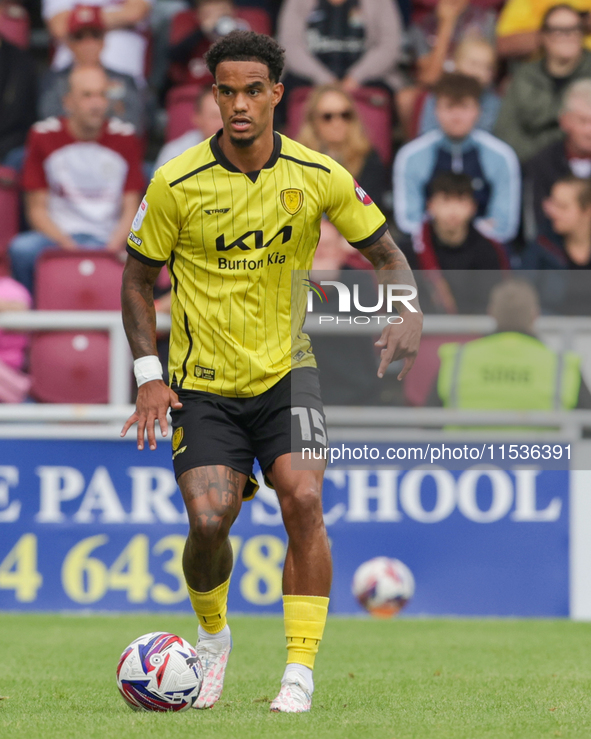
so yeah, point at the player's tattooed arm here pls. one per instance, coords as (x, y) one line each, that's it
(137, 302)
(154, 398)
(398, 341)
(385, 255)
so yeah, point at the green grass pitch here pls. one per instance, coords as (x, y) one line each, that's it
(402, 679)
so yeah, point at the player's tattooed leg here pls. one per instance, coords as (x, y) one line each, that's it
(213, 496)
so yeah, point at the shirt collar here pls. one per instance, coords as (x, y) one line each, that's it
(223, 160)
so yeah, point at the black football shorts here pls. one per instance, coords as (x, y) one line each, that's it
(212, 429)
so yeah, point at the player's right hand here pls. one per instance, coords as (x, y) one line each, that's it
(154, 398)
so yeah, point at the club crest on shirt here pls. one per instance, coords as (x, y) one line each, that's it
(292, 200)
(204, 373)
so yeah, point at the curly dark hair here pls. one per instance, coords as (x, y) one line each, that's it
(247, 46)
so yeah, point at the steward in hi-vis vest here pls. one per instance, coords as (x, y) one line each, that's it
(506, 371)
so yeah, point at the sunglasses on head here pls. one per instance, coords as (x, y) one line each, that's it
(346, 115)
(87, 33)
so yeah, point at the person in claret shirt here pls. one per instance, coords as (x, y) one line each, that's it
(449, 244)
(82, 178)
(570, 155)
(448, 238)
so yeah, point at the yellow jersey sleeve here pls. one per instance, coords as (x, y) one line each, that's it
(155, 228)
(352, 211)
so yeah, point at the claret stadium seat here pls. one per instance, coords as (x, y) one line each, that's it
(85, 280)
(9, 213)
(180, 103)
(15, 25)
(70, 367)
(73, 366)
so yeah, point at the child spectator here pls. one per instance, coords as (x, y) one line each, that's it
(14, 384)
(448, 245)
(86, 41)
(355, 42)
(206, 120)
(491, 165)
(476, 58)
(332, 126)
(448, 238)
(125, 42)
(528, 120)
(571, 154)
(82, 177)
(192, 32)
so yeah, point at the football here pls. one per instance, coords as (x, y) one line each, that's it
(159, 672)
(383, 586)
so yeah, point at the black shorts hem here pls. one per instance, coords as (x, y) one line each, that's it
(211, 463)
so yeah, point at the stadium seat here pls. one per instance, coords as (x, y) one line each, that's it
(87, 280)
(66, 366)
(15, 24)
(257, 18)
(375, 111)
(9, 211)
(180, 103)
(420, 381)
(70, 367)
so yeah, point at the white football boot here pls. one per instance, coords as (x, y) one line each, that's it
(213, 655)
(294, 696)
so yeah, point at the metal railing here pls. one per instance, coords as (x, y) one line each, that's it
(346, 419)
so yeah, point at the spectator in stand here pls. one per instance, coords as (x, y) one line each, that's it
(434, 40)
(510, 369)
(528, 119)
(354, 42)
(518, 29)
(126, 39)
(448, 238)
(571, 154)
(14, 384)
(86, 40)
(458, 147)
(569, 211)
(18, 87)
(332, 126)
(192, 32)
(82, 178)
(206, 120)
(476, 58)
(449, 241)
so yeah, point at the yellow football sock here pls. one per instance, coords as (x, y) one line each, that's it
(305, 617)
(211, 607)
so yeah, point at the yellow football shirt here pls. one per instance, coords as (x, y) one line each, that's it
(231, 242)
(523, 16)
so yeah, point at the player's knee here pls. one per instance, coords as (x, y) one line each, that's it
(302, 509)
(209, 530)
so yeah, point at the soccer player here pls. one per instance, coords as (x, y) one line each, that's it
(232, 218)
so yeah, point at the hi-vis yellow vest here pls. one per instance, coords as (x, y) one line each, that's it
(507, 371)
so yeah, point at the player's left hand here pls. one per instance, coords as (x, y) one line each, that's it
(401, 341)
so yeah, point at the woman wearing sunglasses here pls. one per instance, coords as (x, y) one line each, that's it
(332, 126)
